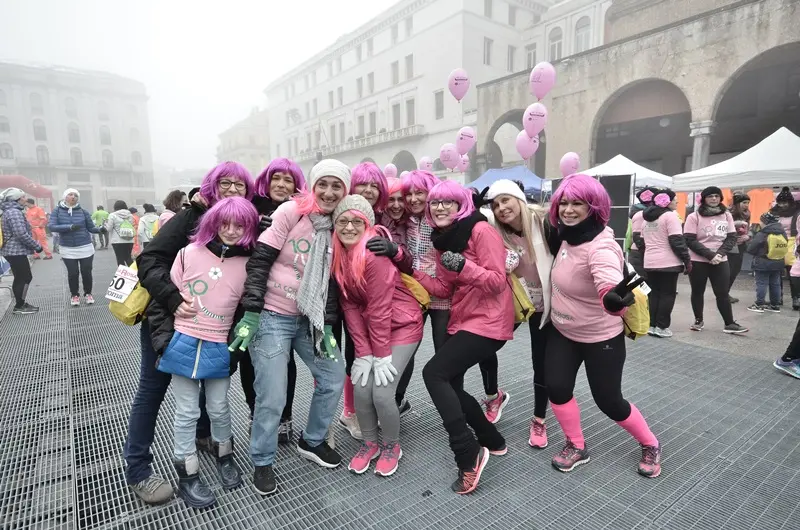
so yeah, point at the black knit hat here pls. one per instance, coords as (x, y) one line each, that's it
(740, 197)
(711, 190)
(785, 195)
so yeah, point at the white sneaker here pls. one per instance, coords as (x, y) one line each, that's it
(651, 331)
(350, 422)
(663, 333)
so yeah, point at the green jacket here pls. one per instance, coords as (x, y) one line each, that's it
(99, 218)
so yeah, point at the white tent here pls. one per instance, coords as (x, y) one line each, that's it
(775, 161)
(620, 165)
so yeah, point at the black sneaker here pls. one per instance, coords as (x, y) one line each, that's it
(264, 480)
(772, 309)
(733, 300)
(756, 308)
(405, 407)
(322, 454)
(285, 432)
(25, 309)
(697, 326)
(735, 329)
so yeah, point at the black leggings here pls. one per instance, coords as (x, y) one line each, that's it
(123, 253)
(794, 287)
(84, 266)
(444, 379)
(604, 363)
(735, 264)
(21, 268)
(663, 289)
(440, 318)
(720, 284)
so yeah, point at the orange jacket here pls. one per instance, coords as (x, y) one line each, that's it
(36, 217)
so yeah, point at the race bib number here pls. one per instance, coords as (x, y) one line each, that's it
(122, 285)
(722, 230)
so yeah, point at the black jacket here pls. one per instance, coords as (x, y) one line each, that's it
(758, 248)
(698, 248)
(676, 242)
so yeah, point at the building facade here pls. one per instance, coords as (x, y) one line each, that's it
(247, 142)
(66, 128)
(677, 85)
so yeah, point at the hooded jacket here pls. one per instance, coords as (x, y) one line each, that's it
(115, 221)
(17, 238)
(758, 248)
(146, 225)
(675, 241)
(61, 221)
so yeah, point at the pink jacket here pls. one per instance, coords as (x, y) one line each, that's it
(386, 314)
(481, 297)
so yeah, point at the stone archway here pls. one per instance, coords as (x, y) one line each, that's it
(500, 146)
(404, 161)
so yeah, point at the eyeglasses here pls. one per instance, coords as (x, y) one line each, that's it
(357, 223)
(444, 204)
(239, 185)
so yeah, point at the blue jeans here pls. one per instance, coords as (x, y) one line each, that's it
(765, 279)
(150, 394)
(187, 412)
(277, 336)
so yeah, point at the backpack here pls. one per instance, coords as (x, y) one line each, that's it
(150, 228)
(126, 230)
(777, 247)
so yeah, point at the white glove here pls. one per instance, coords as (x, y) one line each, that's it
(384, 370)
(361, 368)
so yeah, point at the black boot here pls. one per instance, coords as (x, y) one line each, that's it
(229, 474)
(796, 304)
(205, 445)
(191, 488)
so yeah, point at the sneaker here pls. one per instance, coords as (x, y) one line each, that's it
(89, 299)
(756, 308)
(350, 422)
(664, 333)
(404, 407)
(500, 451)
(153, 490)
(468, 479)
(285, 431)
(48, 257)
(264, 481)
(321, 455)
(538, 438)
(25, 309)
(389, 460)
(772, 308)
(75, 300)
(494, 407)
(697, 326)
(368, 452)
(650, 464)
(733, 300)
(651, 331)
(735, 329)
(570, 457)
(792, 367)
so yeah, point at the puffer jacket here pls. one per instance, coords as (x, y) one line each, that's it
(195, 358)
(115, 221)
(62, 219)
(17, 238)
(758, 247)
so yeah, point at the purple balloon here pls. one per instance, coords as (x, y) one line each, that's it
(458, 83)
(570, 163)
(425, 163)
(449, 156)
(390, 171)
(535, 119)
(542, 79)
(463, 164)
(466, 140)
(526, 146)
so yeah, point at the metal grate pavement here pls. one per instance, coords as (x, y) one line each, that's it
(729, 425)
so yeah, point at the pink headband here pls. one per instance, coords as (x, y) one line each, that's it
(662, 200)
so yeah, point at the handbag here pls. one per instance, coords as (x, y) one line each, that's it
(636, 320)
(523, 307)
(131, 310)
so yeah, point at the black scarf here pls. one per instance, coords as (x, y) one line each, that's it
(786, 211)
(217, 248)
(707, 211)
(265, 205)
(456, 236)
(581, 233)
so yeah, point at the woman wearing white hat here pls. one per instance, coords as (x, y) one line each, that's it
(18, 243)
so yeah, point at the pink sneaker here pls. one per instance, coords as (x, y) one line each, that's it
(89, 299)
(75, 300)
(368, 452)
(650, 464)
(494, 407)
(389, 460)
(538, 437)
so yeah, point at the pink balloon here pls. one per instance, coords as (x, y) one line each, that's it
(535, 119)
(570, 163)
(449, 156)
(425, 163)
(458, 83)
(466, 140)
(390, 171)
(463, 164)
(527, 146)
(403, 174)
(542, 79)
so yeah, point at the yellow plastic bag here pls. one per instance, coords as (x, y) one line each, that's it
(636, 320)
(131, 311)
(523, 307)
(417, 290)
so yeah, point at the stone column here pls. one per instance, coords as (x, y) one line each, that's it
(701, 131)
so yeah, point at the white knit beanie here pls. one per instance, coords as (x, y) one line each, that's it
(357, 203)
(505, 187)
(11, 194)
(329, 168)
(71, 190)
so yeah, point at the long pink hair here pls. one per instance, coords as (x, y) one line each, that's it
(349, 264)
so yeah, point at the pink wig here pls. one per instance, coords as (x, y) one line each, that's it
(419, 180)
(366, 173)
(580, 187)
(393, 185)
(349, 264)
(280, 165)
(450, 190)
(209, 189)
(235, 210)
(307, 202)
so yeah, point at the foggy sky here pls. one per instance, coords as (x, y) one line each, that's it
(205, 63)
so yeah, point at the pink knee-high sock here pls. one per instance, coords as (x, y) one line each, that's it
(349, 401)
(637, 427)
(569, 416)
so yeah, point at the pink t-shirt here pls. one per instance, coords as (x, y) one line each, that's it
(293, 234)
(711, 232)
(581, 276)
(795, 270)
(637, 222)
(657, 252)
(215, 284)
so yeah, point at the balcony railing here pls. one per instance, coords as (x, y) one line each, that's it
(362, 143)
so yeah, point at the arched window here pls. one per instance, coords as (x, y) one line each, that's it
(583, 35)
(556, 44)
(74, 133)
(5, 126)
(438, 166)
(105, 135)
(6, 151)
(71, 108)
(108, 158)
(76, 157)
(134, 136)
(102, 110)
(2, 99)
(37, 107)
(42, 155)
(136, 158)
(39, 131)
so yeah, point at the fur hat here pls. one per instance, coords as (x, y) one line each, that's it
(740, 197)
(711, 190)
(785, 195)
(330, 168)
(505, 187)
(357, 203)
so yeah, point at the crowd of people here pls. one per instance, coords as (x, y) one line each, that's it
(342, 269)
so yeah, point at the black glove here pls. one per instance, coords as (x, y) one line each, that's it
(264, 222)
(479, 199)
(453, 261)
(380, 246)
(75, 228)
(687, 268)
(621, 296)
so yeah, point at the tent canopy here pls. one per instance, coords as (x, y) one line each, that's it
(620, 165)
(28, 186)
(775, 161)
(528, 178)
